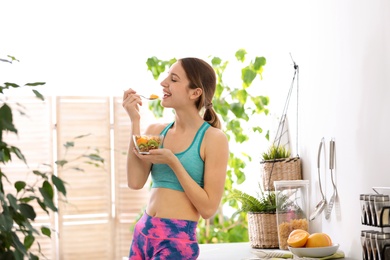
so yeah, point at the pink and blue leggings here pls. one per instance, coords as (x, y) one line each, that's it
(164, 239)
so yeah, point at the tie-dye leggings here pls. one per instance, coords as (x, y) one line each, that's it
(164, 239)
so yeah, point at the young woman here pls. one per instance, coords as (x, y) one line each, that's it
(188, 173)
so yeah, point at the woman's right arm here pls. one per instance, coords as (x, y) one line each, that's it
(137, 170)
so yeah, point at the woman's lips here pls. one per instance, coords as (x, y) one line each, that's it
(167, 95)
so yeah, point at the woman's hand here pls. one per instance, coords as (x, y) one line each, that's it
(157, 156)
(131, 103)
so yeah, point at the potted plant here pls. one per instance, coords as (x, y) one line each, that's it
(21, 199)
(277, 164)
(261, 215)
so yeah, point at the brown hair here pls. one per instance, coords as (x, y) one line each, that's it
(202, 75)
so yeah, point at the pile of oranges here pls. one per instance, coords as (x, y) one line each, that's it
(302, 238)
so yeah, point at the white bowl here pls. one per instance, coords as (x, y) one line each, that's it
(314, 251)
(148, 142)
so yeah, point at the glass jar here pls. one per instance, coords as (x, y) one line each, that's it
(381, 201)
(292, 208)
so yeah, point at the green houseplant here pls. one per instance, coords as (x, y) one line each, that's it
(19, 199)
(261, 215)
(276, 152)
(263, 212)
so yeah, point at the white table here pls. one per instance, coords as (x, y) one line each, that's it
(226, 251)
(230, 251)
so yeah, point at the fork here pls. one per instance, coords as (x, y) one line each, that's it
(151, 97)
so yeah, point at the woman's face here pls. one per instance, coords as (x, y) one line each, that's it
(175, 87)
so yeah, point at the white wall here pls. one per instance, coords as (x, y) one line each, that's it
(341, 47)
(345, 96)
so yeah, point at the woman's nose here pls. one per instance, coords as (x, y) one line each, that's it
(163, 84)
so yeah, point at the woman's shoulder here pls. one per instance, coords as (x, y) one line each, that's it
(216, 142)
(216, 135)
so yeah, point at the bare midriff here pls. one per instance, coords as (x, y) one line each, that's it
(173, 204)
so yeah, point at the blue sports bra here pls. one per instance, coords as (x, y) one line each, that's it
(164, 177)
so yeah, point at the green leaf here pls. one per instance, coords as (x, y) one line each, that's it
(239, 111)
(18, 153)
(215, 61)
(48, 190)
(47, 193)
(38, 95)
(257, 129)
(69, 144)
(43, 206)
(35, 84)
(40, 174)
(27, 211)
(94, 157)
(81, 136)
(27, 199)
(28, 241)
(6, 221)
(242, 96)
(247, 76)
(13, 201)
(46, 231)
(12, 58)
(156, 66)
(260, 102)
(59, 184)
(61, 162)
(6, 121)
(33, 257)
(12, 85)
(267, 135)
(240, 55)
(19, 185)
(258, 64)
(18, 245)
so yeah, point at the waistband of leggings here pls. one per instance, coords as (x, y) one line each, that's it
(183, 222)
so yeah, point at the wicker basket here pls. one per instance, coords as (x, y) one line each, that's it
(262, 230)
(280, 169)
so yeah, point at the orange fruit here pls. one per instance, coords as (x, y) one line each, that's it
(298, 238)
(330, 240)
(141, 140)
(318, 240)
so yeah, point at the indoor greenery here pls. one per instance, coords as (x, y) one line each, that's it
(276, 152)
(17, 213)
(264, 203)
(238, 108)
